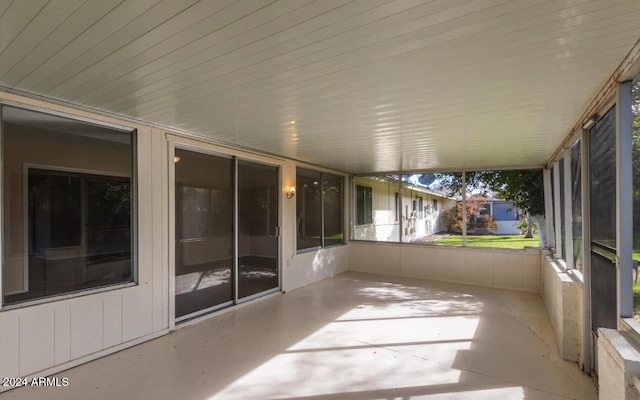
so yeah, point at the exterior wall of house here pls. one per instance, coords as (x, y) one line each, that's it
(303, 268)
(500, 268)
(387, 216)
(55, 334)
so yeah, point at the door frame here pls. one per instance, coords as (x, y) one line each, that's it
(174, 141)
(622, 99)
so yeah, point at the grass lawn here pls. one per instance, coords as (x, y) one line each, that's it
(495, 241)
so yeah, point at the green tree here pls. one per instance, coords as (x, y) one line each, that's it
(524, 188)
(452, 218)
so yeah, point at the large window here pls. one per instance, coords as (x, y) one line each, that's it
(67, 206)
(319, 209)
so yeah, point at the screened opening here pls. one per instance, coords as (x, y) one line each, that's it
(635, 132)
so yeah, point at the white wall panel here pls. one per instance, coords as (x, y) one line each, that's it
(515, 267)
(306, 268)
(160, 231)
(485, 271)
(456, 268)
(62, 335)
(471, 267)
(65, 331)
(434, 263)
(500, 270)
(410, 262)
(9, 348)
(145, 224)
(37, 335)
(531, 273)
(508, 269)
(112, 321)
(136, 315)
(562, 294)
(86, 327)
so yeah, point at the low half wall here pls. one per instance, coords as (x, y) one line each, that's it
(500, 268)
(562, 294)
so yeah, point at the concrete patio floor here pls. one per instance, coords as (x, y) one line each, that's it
(355, 336)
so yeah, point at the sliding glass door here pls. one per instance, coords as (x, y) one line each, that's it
(258, 228)
(203, 232)
(226, 231)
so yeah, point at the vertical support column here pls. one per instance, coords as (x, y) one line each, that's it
(322, 209)
(548, 207)
(556, 207)
(464, 208)
(624, 199)
(351, 206)
(2, 207)
(568, 215)
(588, 347)
(401, 208)
(171, 153)
(236, 232)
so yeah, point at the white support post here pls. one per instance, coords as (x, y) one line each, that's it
(400, 224)
(1, 206)
(464, 209)
(588, 346)
(556, 207)
(548, 207)
(624, 199)
(568, 217)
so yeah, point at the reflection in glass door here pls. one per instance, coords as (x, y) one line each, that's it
(258, 191)
(203, 232)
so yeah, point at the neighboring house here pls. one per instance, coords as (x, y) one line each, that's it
(506, 216)
(381, 211)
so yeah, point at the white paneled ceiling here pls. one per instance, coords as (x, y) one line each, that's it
(361, 86)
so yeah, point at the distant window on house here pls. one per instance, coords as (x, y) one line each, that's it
(504, 211)
(417, 206)
(484, 209)
(68, 206)
(434, 206)
(364, 205)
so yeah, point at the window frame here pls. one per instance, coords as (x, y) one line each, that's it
(322, 175)
(134, 229)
